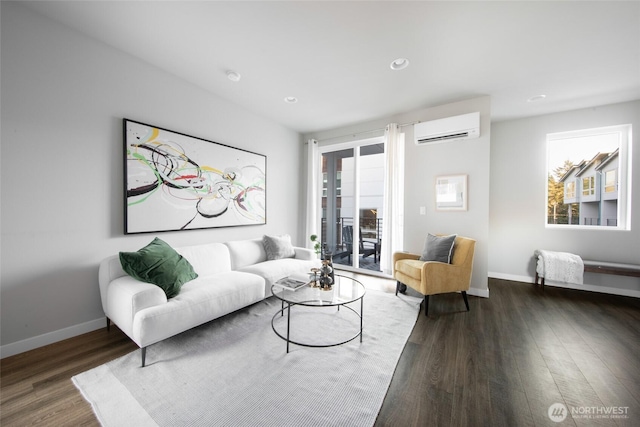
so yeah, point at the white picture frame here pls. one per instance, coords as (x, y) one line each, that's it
(451, 193)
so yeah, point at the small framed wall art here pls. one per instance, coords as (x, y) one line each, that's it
(177, 182)
(451, 193)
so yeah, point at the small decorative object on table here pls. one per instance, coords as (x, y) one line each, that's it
(323, 277)
(313, 277)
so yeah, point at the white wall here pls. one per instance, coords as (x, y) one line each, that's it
(424, 163)
(63, 99)
(518, 180)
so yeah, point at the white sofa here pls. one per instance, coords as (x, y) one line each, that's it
(231, 276)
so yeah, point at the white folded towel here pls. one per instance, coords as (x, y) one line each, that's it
(559, 266)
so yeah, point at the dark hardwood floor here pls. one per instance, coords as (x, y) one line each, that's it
(505, 362)
(501, 364)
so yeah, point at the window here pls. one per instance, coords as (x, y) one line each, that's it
(588, 178)
(610, 181)
(325, 182)
(570, 192)
(589, 186)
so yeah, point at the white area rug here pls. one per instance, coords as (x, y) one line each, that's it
(234, 371)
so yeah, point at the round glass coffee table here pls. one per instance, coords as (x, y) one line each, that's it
(346, 290)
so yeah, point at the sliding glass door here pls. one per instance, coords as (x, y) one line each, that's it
(352, 198)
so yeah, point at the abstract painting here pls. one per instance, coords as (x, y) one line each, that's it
(176, 182)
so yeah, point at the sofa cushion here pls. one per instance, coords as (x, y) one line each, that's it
(278, 247)
(207, 259)
(160, 264)
(246, 252)
(438, 248)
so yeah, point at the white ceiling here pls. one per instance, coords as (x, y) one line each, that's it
(334, 56)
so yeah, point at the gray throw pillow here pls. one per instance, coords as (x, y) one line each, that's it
(438, 248)
(278, 247)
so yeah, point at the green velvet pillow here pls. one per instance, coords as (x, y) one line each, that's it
(160, 264)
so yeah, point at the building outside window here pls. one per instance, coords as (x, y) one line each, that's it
(588, 178)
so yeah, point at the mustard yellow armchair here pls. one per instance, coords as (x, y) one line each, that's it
(432, 277)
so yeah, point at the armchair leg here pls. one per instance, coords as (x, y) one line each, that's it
(466, 301)
(400, 287)
(108, 324)
(426, 305)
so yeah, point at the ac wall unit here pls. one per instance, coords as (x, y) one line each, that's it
(466, 126)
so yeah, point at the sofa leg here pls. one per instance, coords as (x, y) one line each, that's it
(397, 287)
(143, 352)
(426, 305)
(466, 301)
(108, 324)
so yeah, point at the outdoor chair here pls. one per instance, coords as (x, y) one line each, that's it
(366, 248)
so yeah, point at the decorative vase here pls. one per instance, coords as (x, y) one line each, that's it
(327, 276)
(323, 277)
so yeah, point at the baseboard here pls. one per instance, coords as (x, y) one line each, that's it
(511, 277)
(484, 293)
(51, 337)
(583, 287)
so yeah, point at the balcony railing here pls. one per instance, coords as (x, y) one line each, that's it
(371, 229)
(563, 219)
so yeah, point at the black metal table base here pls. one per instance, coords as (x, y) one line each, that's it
(290, 341)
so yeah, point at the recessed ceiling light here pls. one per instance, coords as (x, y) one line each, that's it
(536, 98)
(290, 99)
(234, 76)
(399, 64)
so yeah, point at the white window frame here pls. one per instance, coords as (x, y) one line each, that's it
(355, 145)
(624, 174)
